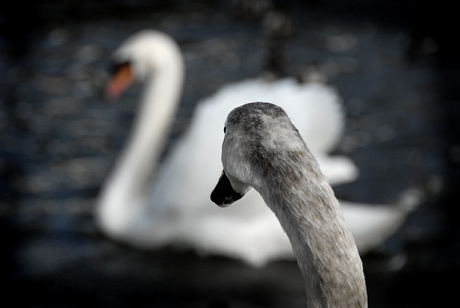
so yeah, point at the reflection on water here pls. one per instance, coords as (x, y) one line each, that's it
(60, 138)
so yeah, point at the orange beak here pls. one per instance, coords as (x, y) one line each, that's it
(120, 81)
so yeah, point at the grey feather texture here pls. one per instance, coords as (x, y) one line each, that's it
(262, 149)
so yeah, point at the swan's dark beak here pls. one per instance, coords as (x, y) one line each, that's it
(223, 194)
(121, 79)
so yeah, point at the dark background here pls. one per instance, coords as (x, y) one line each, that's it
(395, 63)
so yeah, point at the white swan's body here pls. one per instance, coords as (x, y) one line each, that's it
(150, 208)
(263, 150)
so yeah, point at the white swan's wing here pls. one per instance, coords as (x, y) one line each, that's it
(372, 224)
(338, 169)
(186, 178)
(190, 170)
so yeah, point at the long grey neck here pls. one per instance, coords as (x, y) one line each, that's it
(310, 214)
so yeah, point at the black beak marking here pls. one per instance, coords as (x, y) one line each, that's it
(224, 194)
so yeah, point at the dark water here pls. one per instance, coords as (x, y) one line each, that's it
(395, 68)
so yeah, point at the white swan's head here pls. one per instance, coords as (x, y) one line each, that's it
(254, 134)
(140, 56)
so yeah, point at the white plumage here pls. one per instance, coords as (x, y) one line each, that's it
(150, 206)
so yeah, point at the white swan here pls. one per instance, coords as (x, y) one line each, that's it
(262, 149)
(149, 207)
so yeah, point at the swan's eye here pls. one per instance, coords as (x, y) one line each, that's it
(225, 129)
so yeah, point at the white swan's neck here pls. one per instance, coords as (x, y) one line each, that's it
(310, 214)
(127, 187)
(159, 104)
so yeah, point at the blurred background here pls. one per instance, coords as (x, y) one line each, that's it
(395, 64)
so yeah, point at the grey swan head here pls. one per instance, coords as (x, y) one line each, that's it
(262, 149)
